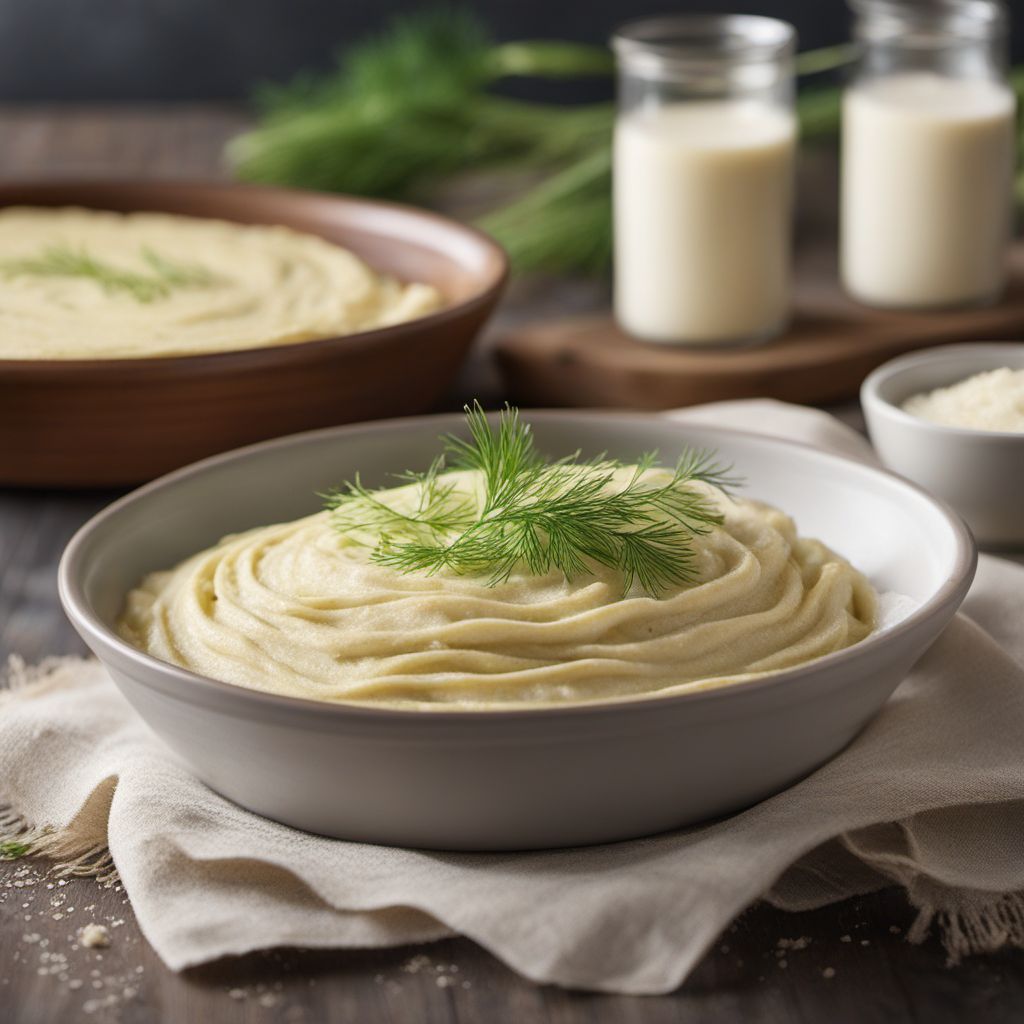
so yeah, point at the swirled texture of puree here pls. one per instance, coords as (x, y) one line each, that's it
(266, 286)
(298, 609)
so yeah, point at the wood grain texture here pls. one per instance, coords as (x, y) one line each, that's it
(832, 344)
(878, 976)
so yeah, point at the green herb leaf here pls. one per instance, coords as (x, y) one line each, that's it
(12, 849)
(64, 261)
(174, 274)
(551, 59)
(563, 224)
(565, 515)
(439, 510)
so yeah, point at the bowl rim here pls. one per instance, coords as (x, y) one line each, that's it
(872, 398)
(246, 358)
(952, 590)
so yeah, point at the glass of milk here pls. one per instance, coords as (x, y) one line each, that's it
(928, 153)
(705, 144)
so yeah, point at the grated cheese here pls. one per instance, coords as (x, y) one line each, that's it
(993, 400)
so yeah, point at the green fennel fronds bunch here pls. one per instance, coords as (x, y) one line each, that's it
(404, 110)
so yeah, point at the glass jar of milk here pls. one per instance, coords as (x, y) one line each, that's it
(705, 147)
(928, 153)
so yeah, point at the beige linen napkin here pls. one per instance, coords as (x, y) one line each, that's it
(929, 797)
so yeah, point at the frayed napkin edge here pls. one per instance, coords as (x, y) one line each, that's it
(993, 923)
(70, 856)
(975, 923)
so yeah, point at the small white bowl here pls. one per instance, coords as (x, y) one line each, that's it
(979, 472)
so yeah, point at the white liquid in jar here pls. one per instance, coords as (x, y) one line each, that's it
(926, 198)
(703, 208)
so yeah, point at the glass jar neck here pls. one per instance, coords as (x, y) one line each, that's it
(705, 57)
(961, 38)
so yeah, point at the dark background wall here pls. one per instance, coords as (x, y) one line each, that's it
(91, 50)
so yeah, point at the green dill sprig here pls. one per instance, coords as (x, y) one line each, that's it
(65, 261)
(565, 515)
(175, 274)
(439, 510)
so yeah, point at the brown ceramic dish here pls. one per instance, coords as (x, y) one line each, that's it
(119, 421)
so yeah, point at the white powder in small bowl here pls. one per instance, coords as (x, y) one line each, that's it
(987, 401)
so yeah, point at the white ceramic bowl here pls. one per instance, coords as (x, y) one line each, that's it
(514, 779)
(979, 472)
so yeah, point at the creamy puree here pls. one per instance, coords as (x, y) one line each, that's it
(266, 286)
(299, 609)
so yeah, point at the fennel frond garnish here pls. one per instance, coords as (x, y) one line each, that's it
(565, 515)
(165, 274)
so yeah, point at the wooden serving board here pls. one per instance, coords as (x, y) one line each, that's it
(832, 344)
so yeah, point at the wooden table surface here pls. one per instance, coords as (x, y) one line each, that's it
(854, 967)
